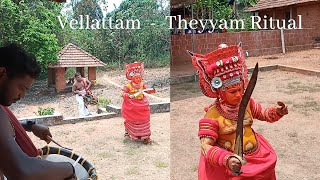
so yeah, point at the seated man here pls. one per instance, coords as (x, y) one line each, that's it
(18, 155)
(80, 88)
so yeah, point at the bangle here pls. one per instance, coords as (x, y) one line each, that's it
(73, 173)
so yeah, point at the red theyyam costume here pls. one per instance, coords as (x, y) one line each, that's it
(135, 107)
(219, 70)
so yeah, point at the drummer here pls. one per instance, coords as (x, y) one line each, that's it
(18, 155)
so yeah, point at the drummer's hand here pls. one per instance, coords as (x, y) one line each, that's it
(282, 110)
(41, 131)
(234, 164)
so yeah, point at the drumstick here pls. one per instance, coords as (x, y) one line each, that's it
(75, 163)
(48, 137)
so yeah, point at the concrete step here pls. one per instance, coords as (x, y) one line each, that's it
(316, 45)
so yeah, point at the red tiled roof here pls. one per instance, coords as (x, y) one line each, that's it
(73, 56)
(268, 4)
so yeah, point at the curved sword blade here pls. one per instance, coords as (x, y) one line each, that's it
(238, 150)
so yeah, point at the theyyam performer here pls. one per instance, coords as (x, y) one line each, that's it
(223, 76)
(135, 107)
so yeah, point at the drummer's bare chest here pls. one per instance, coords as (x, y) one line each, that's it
(79, 86)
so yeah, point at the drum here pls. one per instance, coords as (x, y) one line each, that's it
(84, 170)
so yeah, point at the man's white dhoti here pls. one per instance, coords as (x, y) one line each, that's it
(83, 111)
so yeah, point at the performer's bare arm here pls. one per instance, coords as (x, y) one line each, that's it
(15, 164)
(75, 88)
(88, 84)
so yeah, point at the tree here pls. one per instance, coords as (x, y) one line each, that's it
(32, 24)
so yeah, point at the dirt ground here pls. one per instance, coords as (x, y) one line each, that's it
(295, 137)
(116, 158)
(308, 59)
(102, 142)
(109, 85)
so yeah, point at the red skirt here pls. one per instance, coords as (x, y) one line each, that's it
(137, 118)
(260, 165)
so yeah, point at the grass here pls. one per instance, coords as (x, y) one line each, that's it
(104, 155)
(292, 134)
(131, 152)
(89, 130)
(160, 164)
(133, 171)
(297, 87)
(195, 168)
(308, 106)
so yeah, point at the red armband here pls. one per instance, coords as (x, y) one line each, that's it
(208, 128)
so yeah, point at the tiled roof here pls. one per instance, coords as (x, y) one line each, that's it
(268, 4)
(73, 56)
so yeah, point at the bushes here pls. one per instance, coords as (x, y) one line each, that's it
(103, 101)
(45, 111)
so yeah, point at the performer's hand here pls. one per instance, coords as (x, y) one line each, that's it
(131, 96)
(205, 148)
(41, 131)
(234, 164)
(282, 110)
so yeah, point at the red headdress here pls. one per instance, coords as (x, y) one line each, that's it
(220, 69)
(134, 69)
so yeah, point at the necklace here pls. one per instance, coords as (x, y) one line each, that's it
(229, 112)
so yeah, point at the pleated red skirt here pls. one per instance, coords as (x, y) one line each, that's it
(137, 118)
(260, 166)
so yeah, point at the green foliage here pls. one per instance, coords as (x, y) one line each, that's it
(103, 101)
(32, 24)
(220, 9)
(45, 111)
(70, 72)
(35, 25)
(150, 44)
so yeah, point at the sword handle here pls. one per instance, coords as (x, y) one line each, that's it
(242, 160)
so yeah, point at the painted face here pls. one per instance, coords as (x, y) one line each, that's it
(79, 78)
(14, 89)
(136, 79)
(233, 94)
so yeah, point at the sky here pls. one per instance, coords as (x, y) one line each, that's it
(110, 5)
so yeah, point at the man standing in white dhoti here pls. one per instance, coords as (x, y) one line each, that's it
(80, 87)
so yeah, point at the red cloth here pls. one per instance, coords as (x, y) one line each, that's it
(138, 130)
(137, 117)
(260, 166)
(137, 111)
(22, 138)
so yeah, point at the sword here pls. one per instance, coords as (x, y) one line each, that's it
(141, 91)
(238, 150)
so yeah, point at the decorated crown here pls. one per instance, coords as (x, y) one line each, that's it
(134, 69)
(220, 69)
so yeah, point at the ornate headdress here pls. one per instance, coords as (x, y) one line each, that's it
(220, 69)
(134, 69)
